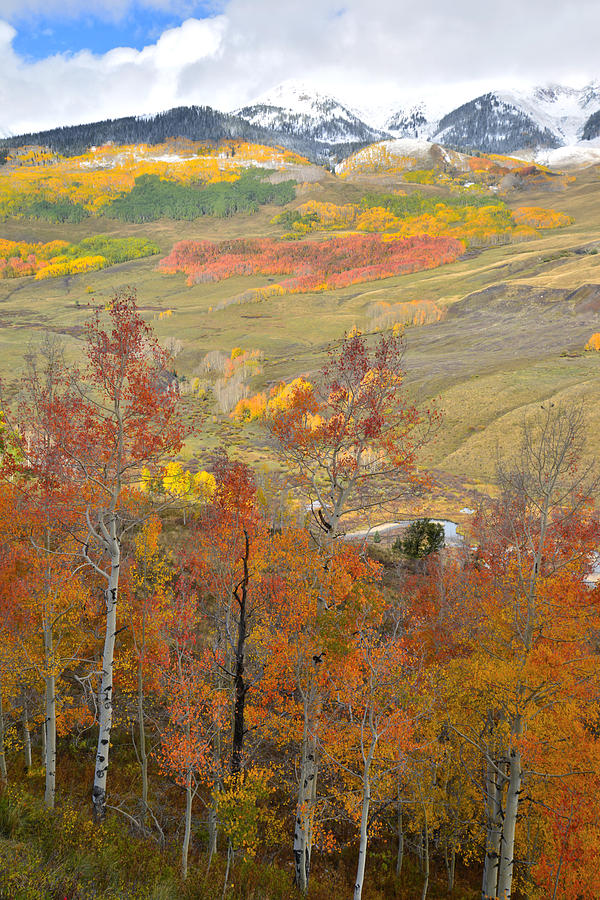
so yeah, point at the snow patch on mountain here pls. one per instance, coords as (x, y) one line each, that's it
(583, 153)
(504, 121)
(411, 123)
(402, 154)
(296, 108)
(560, 109)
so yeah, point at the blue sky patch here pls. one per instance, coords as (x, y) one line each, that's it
(41, 36)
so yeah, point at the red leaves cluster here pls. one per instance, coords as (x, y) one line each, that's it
(355, 426)
(314, 265)
(122, 410)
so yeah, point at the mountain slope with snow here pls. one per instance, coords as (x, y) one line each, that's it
(326, 130)
(504, 121)
(411, 123)
(509, 121)
(294, 108)
(560, 109)
(591, 129)
(493, 125)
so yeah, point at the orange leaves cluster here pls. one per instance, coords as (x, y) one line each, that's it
(251, 408)
(313, 265)
(594, 342)
(493, 161)
(280, 398)
(539, 217)
(353, 424)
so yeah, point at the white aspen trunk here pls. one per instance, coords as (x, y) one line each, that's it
(142, 739)
(105, 693)
(43, 738)
(304, 813)
(26, 738)
(400, 854)
(364, 821)
(227, 869)
(312, 808)
(309, 770)
(420, 850)
(494, 815)
(452, 869)
(49, 733)
(188, 825)
(507, 851)
(3, 772)
(425, 861)
(212, 832)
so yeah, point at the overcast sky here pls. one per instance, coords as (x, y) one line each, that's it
(69, 61)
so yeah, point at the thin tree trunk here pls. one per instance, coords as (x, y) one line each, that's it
(309, 769)
(364, 821)
(507, 851)
(400, 854)
(26, 738)
(241, 595)
(43, 739)
(49, 726)
(452, 868)
(562, 856)
(188, 825)
(494, 814)
(425, 861)
(420, 850)
(142, 740)
(3, 772)
(305, 809)
(212, 832)
(49, 732)
(228, 868)
(105, 692)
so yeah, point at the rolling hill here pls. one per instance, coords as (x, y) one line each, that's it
(488, 335)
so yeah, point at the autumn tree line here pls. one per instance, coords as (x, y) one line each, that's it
(258, 689)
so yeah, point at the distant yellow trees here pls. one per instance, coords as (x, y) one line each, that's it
(279, 399)
(475, 224)
(382, 157)
(176, 481)
(384, 315)
(538, 217)
(594, 342)
(98, 176)
(59, 258)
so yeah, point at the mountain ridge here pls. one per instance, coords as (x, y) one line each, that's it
(317, 125)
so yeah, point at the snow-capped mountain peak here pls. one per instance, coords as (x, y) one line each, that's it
(558, 108)
(297, 96)
(295, 107)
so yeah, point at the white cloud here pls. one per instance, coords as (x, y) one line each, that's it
(84, 87)
(366, 52)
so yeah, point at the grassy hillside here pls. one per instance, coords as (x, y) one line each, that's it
(516, 315)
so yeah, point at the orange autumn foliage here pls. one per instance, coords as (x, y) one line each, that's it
(594, 342)
(539, 217)
(310, 265)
